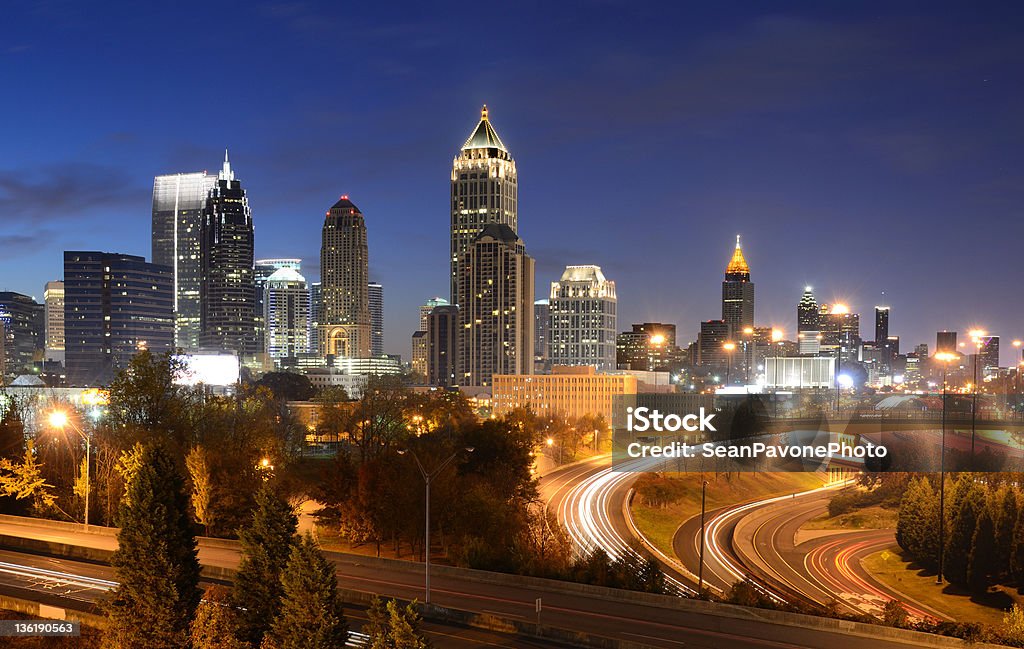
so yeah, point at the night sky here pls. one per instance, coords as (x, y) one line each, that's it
(859, 149)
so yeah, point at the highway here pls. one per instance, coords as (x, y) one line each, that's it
(657, 623)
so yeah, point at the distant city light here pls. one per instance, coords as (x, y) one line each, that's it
(840, 309)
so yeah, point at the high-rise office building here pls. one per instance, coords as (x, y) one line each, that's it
(711, 351)
(881, 324)
(541, 326)
(484, 190)
(344, 268)
(442, 345)
(945, 341)
(989, 352)
(650, 346)
(228, 287)
(808, 324)
(419, 354)
(286, 314)
(375, 298)
(427, 307)
(178, 204)
(53, 300)
(583, 319)
(840, 331)
(262, 270)
(496, 320)
(24, 329)
(316, 304)
(738, 293)
(114, 306)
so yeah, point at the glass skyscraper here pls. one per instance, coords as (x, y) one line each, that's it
(114, 306)
(375, 297)
(178, 204)
(228, 288)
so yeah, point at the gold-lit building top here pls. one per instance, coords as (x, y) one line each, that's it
(738, 264)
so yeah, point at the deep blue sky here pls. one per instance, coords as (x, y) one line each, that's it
(858, 148)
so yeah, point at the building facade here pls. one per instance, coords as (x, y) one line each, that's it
(738, 293)
(178, 204)
(570, 392)
(286, 314)
(496, 321)
(262, 270)
(53, 301)
(442, 346)
(419, 365)
(345, 327)
(541, 338)
(23, 324)
(808, 324)
(375, 298)
(484, 190)
(228, 288)
(114, 306)
(582, 309)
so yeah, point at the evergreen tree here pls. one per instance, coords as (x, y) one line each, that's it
(970, 503)
(1006, 519)
(214, 626)
(983, 556)
(311, 615)
(1017, 548)
(266, 547)
(156, 563)
(918, 522)
(392, 626)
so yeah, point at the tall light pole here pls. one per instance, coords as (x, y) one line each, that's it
(60, 420)
(700, 567)
(729, 348)
(428, 477)
(976, 335)
(944, 357)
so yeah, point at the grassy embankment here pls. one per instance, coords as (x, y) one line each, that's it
(659, 522)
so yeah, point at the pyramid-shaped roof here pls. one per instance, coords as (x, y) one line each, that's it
(498, 231)
(345, 203)
(738, 264)
(484, 136)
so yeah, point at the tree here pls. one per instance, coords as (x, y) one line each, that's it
(312, 616)
(392, 626)
(198, 465)
(918, 521)
(267, 545)
(128, 464)
(983, 554)
(12, 430)
(288, 386)
(148, 404)
(970, 499)
(1006, 504)
(24, 481)
(1017, 549)
(214, 625)
(156, 560)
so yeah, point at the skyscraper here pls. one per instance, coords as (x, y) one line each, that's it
(53, 300)
(24, 329)
(808, 324)
(484, 190)
(262, 270)
(114, 306)
(344, 268)
(442, 345)
(738, 293)
(541, 326)
(420, 346)
(178, 204)
(316, 305)
(650, 346)
(427, 307)
(583, 319)
(945, 341)
(286, 314)
(375, 298)
(496, 321)
(881, 324)
(228, 288)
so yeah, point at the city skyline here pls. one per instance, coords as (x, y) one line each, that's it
(866, 202)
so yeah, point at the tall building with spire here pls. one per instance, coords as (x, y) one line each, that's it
(808, 323)
(344, 323)
(738, 293)
(228, 287)
(492, 277)
(178, 204)
(484, 190)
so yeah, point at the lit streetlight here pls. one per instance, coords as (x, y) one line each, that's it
(976, 337)
(428, 477)
(700, 567)
(59, 419)
(944, 357)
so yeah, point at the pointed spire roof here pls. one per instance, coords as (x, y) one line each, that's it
(345, 203)
(738, 264)
(484, 136)
(226, 173)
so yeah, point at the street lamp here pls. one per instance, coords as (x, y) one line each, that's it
(700, 567)
(729, 347)
(60, 420)
(428, 477)
(944, 357)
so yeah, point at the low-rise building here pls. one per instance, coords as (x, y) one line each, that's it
(569, 391)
